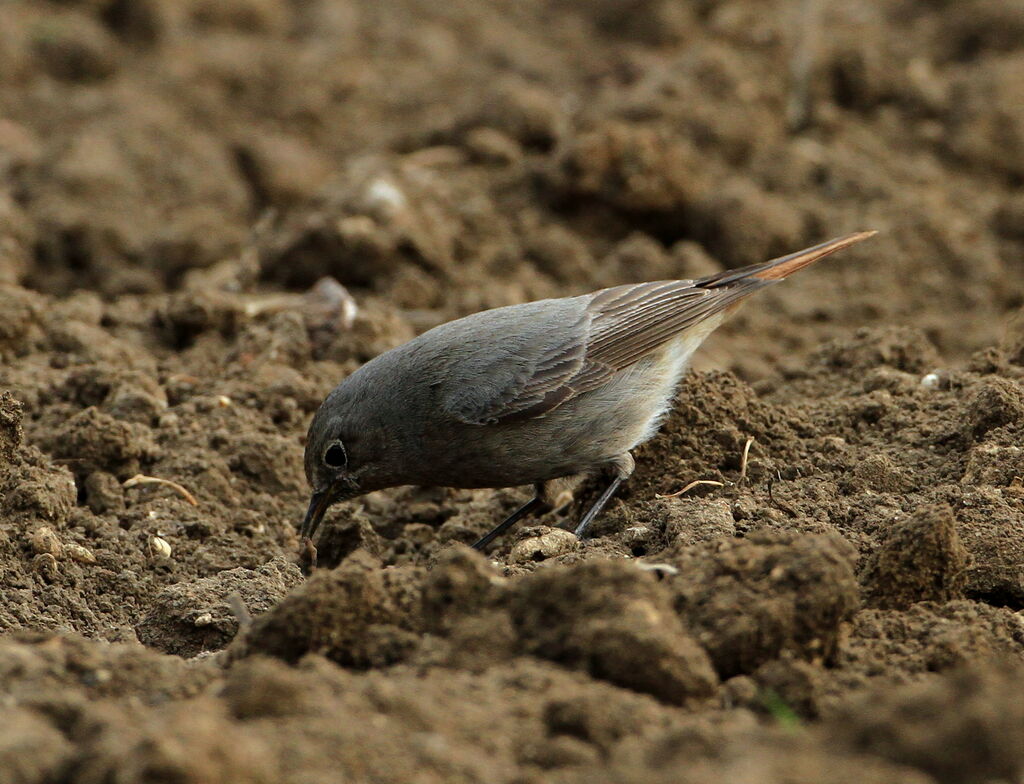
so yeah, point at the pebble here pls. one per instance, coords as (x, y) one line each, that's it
(77, 552)
(547, 543)
(44, 541)
(46, 565)
(159, 547)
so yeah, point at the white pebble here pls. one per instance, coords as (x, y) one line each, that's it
(384, 193)
(931, 381)
(80, 554)
(159, 547)
(203, 620)
(662, 568)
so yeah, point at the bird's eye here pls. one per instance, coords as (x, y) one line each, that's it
(334, 455)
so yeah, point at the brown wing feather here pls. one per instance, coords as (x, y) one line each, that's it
(547, 387)
(628, 322)
(625, 323)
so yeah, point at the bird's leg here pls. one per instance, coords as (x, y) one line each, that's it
(624, 468)
(536, 504)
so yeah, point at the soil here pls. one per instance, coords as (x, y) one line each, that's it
(211, 211)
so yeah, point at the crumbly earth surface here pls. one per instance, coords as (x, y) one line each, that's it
(211, 211)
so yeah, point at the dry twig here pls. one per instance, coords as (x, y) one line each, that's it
(743, 460)
(142, 479)
(693, 484)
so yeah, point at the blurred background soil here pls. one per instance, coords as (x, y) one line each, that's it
(211, 211)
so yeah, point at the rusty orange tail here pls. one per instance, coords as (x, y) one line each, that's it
(783, 267)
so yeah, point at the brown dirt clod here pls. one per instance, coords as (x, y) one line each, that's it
(750, 600)
(356, 615)
(921, 559)
(614, 621)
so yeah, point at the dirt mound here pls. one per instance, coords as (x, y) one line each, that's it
(357, 615)
(764, 597)
(194, 616)
(921, 559)
(979, 741)
(615, 622)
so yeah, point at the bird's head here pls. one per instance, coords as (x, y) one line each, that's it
(332, 461)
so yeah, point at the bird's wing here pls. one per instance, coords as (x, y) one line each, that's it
(568, 353)
(617, 327)
(630, 321)
(515, 363)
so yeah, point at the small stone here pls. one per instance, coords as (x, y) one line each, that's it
(489, 145)
(543, 543)
(44, 540)
(739, 691)
(159, 547)
(203, 620)
(384, 195)
(328, 306)
(46, 565)
(79, 554)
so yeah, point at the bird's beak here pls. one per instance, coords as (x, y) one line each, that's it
(318, 505)
(322, 500)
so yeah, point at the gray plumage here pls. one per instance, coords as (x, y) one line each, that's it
(524, 394)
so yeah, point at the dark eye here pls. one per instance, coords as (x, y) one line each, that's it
(335, 456)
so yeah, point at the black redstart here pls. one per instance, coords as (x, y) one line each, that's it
(526, 394)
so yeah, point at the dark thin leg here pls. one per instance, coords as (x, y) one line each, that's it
(535, 504)
(599, 504)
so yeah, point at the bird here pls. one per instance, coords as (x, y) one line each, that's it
(539, 393)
